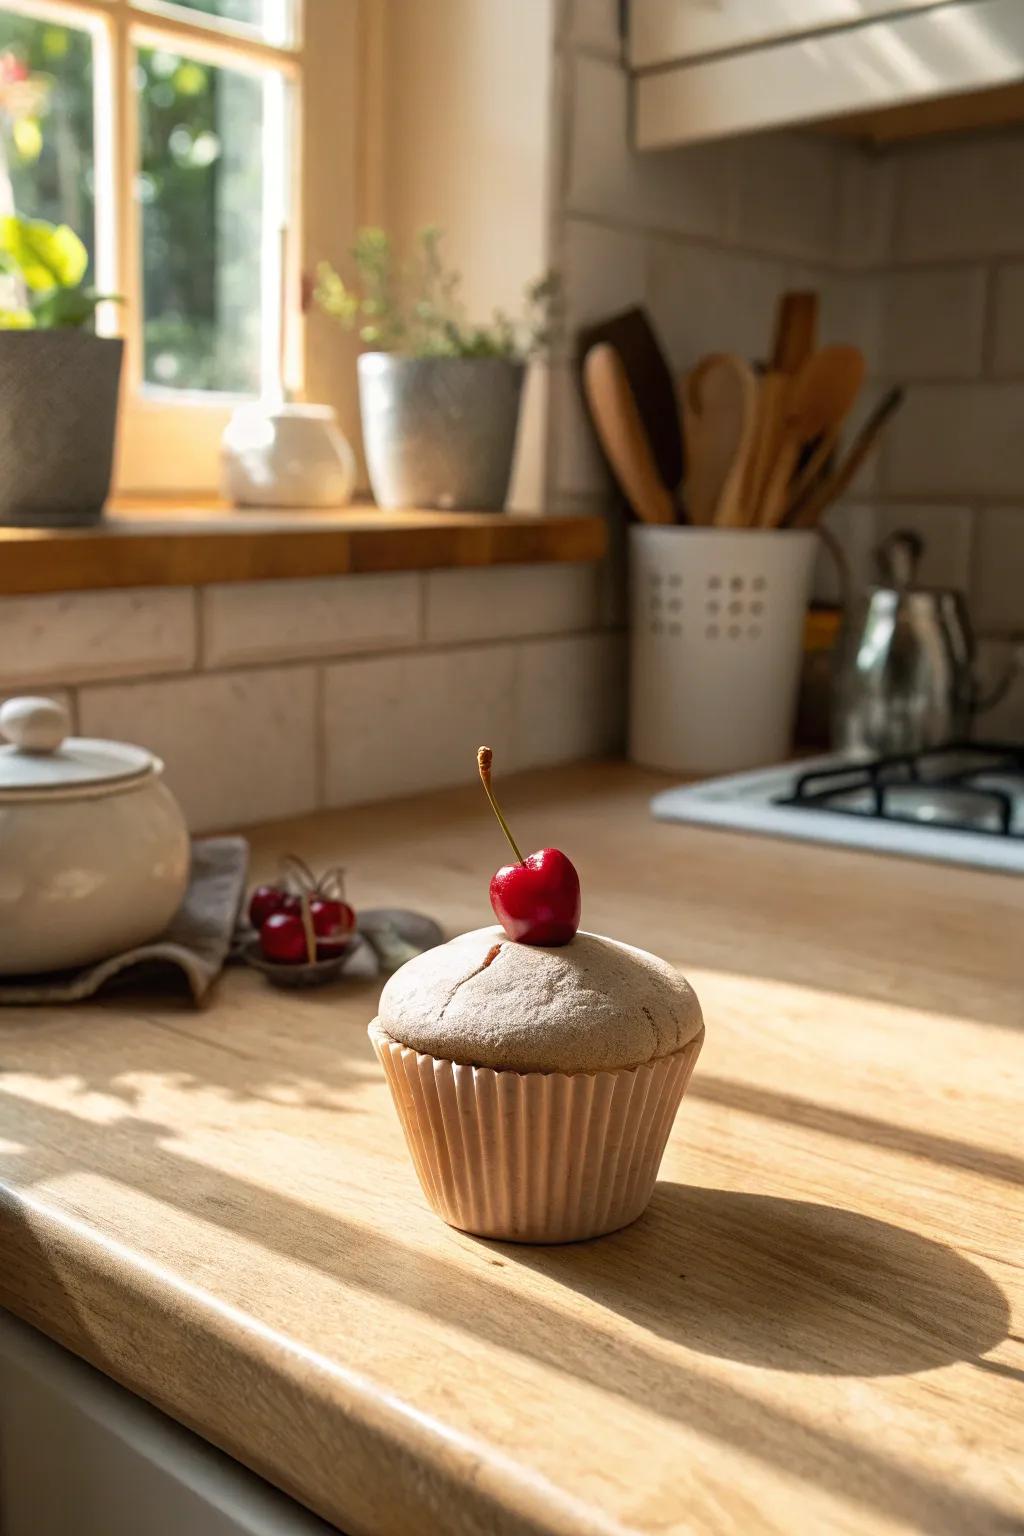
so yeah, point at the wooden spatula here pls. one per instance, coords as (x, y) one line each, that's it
(650, 380)
(796, 332)
(622, 436)
(807, 513)
(823, 393)
(720, 405)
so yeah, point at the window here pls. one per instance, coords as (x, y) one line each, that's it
(172, 136)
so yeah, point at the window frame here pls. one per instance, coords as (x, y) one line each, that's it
(169, 440)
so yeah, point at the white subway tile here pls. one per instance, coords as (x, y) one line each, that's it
(788, 194)
(239, 747)
(865, 482)
(69, 637)
(946, 533)
(604, 271)
(595, 24)
(998, 596)
(932, 323)
(689, 190)
(956, 197)
(287, 620)
(853, 525)
(394, 725)
(571, 698)
(848, 307)
(957, 440)
(503, 601)
(578, 467)
(1002, 721)
(704, 300)
(867, 208)
(1008, 341)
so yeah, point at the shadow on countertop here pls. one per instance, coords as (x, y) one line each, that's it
(786, 1285)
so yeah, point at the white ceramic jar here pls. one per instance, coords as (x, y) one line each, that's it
(286, 456)
(94, 851)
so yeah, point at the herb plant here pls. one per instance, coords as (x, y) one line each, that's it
(415, 308)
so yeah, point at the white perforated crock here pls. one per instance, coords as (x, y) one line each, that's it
(717, 621)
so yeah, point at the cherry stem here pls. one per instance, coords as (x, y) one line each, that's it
(310, 931)
(484, 759)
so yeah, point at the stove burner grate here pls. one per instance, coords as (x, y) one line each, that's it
(963, 787)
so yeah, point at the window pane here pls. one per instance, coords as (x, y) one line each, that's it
(212, 146)
(271, 20)
(47, 168)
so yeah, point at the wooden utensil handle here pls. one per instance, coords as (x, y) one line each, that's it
(622, 436)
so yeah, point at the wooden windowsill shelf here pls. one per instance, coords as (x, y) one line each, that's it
(194, 543)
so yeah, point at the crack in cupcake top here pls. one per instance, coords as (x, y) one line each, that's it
(592, 1005)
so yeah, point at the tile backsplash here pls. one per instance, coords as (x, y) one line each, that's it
(918, 254)
(270, 699)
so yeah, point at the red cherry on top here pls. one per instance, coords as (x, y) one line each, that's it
(537, 899)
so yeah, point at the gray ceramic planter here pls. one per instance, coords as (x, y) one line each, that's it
(58, 414)
(440, 431)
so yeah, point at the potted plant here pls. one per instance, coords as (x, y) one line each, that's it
(439, 396)
(58, 380)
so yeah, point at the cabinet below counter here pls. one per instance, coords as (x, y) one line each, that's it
(80, 1456)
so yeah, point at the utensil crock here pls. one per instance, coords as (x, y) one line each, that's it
(94, 851)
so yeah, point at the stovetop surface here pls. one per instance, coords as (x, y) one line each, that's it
(961, 804)
(966, 787)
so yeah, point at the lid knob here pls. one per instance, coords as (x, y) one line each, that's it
(34, 725)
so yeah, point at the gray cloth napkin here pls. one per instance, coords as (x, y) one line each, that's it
(196, 942)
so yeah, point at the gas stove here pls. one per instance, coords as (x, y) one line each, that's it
(961, 804)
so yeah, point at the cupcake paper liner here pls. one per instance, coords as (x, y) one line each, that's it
(535, 1157)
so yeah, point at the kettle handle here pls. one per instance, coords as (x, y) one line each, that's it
(1001, 687)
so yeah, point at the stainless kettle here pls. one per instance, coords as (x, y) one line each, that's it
(906, 663)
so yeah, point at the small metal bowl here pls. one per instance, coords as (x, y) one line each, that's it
(310, 974)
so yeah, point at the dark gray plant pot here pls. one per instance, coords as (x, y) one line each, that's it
(58, 415)
(440, 431)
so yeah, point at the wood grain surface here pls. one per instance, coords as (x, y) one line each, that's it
(816, 1327)
(158, 544)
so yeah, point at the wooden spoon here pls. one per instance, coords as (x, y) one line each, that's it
(823, 394)
(622, 436)
(720, 407)
(807, 513)
(773, 390)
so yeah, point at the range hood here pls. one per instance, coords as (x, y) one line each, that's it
(708, 69)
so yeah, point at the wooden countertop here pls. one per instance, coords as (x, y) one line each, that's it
(163, 544)
(816, 1327)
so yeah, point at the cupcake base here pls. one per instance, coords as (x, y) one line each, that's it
(535, 1157)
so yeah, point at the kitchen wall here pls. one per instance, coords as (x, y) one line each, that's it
(918, 254)
(465, 144)
(943, 268)
(274, 698)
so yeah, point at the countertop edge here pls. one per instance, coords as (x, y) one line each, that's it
(349, 1421)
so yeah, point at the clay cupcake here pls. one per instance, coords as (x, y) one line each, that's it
(537, 1082)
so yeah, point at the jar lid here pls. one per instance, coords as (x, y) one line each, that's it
(41, 759)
